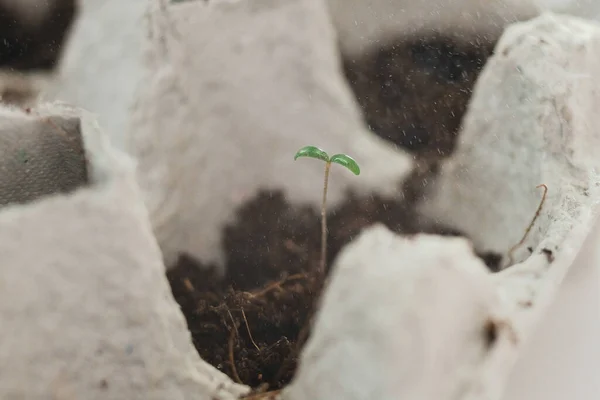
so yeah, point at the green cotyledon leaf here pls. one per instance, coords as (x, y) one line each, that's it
(347, 162)
(312, 152)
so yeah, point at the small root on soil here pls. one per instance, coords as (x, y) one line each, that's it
(252, 324)
(264, 395)
(275, 285)
(250, 334)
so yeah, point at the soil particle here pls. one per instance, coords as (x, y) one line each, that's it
(490, 333)
(549, 255)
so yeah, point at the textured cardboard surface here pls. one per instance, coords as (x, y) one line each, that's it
(232, 91)
(85, 306)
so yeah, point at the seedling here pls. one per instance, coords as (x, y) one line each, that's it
(342, 159)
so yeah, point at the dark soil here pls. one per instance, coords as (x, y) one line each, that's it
(29, 47)
(267, 297)
(415, 93)
(252, 324)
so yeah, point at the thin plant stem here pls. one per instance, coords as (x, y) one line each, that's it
(535, 217)
(249, 332)
(236, 376)
(232, 335)
(323, 262)
(276, 285)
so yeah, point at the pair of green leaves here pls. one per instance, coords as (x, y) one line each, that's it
(341, 159)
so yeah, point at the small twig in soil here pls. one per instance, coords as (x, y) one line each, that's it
(232, 320)
(530, 226)
(232, 335)
(248, 329)
(188, 285)
(275, 285)
(265, 395)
